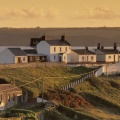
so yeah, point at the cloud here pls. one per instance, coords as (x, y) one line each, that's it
(30, 13)
(97, 13)
(52, 13)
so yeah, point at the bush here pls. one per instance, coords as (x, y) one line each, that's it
(25, 112)
(72, 90)
(30, 118)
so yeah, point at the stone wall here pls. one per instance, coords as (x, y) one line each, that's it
(37, 64)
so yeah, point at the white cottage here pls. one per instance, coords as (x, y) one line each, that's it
(83, 56)
(107, 55)
(55, 50)
(13, 55)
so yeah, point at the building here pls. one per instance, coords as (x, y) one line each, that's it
(10, 95)
(13, 55)
(107, 55)
(33, 56)
(83, 56)
(55, 50)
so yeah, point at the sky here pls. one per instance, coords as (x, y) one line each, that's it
(59, 13)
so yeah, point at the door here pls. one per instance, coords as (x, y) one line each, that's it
(60, 59)
(19, 60)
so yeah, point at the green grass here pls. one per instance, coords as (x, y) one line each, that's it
(23, 75)
(103, 93)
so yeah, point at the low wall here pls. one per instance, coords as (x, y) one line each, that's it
(38, 64)
(111, 69)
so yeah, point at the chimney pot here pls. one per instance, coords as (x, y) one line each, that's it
(99, 46)
(86, 48)
(102, 47)
(115, 46)
(63, 38)
(44, 37)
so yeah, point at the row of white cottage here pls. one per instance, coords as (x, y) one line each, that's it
(58, 51)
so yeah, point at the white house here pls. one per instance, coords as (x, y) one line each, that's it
(10, 95)
(83, 56)
(107, 55)
(13, 55)
(55, 50)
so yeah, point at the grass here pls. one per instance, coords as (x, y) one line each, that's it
(103, 94)
(21, 76)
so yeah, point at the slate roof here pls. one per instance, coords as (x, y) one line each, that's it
(58, 43)
(17, 51)
(83, 52)
(30, 51)
(9, 87)
(109, 51)
(106, 51)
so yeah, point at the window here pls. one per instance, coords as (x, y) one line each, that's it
(66, 49)
(8, 98)
(31, 58)
(37, 57)
(91, 57)
(60, 49)
(54, 49)
(82, 57)
(23, 58)
(109, 57)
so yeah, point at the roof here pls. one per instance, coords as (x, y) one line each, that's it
(109, 51)
(30, 51)
(9, 87)
(17, 51)
(58, 43)
(83, 51)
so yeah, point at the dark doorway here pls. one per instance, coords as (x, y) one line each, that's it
(60, 59)
(18, 99)
(19, 60)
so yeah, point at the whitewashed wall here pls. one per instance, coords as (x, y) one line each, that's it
(6, 57)
(112, 58)
(22, 59)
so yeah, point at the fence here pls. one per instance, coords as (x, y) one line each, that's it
(96, 73)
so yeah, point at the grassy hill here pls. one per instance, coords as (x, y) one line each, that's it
(96, 98)
(103, 94)
(56, 77)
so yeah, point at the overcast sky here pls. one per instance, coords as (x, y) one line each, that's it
(59, 13)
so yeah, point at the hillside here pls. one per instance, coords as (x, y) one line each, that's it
(53, 77)
(96, 98)
(104, 95)
(76, 36)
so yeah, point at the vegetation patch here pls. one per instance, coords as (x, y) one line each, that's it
(66, 98)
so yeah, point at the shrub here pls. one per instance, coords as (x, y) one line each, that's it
(72, 90)
(25, 112)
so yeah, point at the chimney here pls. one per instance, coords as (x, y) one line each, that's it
(115, 46)
(63, 38)
(99, 46)
(86, 48)
(44, 37)
(102, 47)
